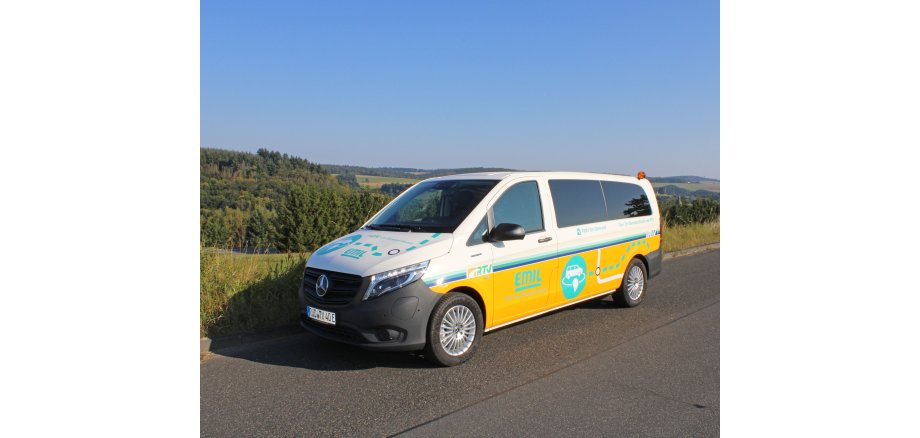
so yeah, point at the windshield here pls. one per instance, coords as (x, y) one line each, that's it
(434, 206)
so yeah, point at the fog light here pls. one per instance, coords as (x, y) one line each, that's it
(386, 335)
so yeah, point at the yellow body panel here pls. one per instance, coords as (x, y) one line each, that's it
(522, 291)
(511, 294)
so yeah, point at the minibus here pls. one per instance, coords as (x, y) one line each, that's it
(455, 257)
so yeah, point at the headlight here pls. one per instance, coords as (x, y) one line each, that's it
(391, 280)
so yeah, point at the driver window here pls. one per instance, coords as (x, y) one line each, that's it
(520, 205)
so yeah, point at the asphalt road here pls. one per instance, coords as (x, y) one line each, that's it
(593, 369)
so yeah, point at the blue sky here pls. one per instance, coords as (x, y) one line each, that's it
(611, 86)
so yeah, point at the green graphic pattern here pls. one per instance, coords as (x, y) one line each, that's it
(357, 254)
(629, 248)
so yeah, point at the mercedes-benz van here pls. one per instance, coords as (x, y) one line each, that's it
(454, 257)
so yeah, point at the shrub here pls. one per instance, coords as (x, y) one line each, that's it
(698, 211)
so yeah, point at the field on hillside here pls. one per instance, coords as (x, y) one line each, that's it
(375, 182)
(712, 186)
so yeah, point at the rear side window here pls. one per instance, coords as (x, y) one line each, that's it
(520, 205)
(577, 202)
(625, 200)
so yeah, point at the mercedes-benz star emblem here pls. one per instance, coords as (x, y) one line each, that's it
(322, 285)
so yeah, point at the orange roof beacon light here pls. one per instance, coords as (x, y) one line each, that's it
(641, 175)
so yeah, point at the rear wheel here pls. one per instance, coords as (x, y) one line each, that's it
(632, 289)
(454, 330)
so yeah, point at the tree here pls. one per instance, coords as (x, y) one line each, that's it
(235, 221)
(394, 189)
(214, 232)
(363, 205)
(293, 226)
(260, 231)
(309, 218)
(348, 179)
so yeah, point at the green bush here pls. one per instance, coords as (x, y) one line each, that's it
(698, 211)
(309, 217)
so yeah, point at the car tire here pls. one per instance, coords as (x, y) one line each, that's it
(632, 288)
(455, 312)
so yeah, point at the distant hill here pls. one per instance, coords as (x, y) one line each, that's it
(674, 191)
(405, 172)
(681, 179)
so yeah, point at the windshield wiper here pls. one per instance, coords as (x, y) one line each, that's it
(397, 227)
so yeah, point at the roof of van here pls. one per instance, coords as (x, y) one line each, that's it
(554, 174)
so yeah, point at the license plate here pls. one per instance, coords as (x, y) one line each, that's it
(322, 316)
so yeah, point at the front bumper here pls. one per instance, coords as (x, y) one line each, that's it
(396, 321)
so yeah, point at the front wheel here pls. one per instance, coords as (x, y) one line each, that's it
(632, 289)
(454, 330)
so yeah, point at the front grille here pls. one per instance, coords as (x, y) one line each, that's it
(342, 287)
(344, 334)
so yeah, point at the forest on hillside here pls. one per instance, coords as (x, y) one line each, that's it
(274, 200)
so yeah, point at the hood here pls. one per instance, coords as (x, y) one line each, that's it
(369, 252)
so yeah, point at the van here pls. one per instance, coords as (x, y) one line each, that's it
(457, 256)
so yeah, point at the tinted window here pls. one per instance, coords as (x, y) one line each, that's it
(520, 205)
(435, 206)
(625, 200)
(577, 202)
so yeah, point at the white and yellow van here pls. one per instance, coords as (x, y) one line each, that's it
(456, 256)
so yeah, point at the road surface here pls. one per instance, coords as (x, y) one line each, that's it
(593, 369)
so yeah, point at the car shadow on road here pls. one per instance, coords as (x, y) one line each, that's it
(605, 302)
(304, 350)
(314, 353)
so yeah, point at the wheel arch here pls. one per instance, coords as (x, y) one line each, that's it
(644, 263)
(474, 294)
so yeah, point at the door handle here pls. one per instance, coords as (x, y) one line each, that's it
(544, 240)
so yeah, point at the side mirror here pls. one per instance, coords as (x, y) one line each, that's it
(503, 232)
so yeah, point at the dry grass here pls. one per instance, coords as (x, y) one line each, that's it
(688, 236)
(246, 292)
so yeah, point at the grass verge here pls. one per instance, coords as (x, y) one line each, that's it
(687, 236)
(248, 292)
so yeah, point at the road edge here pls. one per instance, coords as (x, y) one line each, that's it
(211, 345)
(691, 251)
